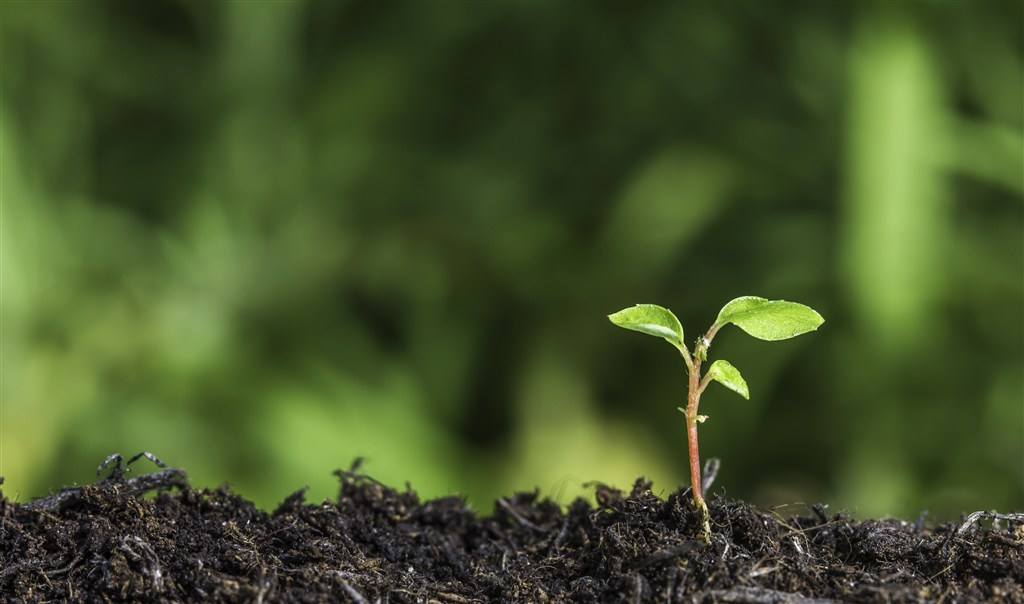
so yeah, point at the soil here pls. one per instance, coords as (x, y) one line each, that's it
(106, 542)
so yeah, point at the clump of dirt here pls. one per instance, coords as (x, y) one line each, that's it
(375, 544)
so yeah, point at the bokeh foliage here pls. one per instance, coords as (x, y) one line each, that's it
(262, 238)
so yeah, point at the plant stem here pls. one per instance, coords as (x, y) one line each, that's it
(692, 405)
(692, 402)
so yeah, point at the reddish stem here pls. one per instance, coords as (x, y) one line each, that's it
(692, 403)
(691, 434)
(696, 387)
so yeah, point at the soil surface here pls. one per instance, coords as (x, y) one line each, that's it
(105, 542)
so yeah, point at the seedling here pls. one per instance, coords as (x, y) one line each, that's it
(764, 319)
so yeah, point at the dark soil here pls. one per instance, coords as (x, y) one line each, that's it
(104, 542)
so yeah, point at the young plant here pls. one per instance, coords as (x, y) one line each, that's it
(764, 319)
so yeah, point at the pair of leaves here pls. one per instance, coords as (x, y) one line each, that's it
(764, 319)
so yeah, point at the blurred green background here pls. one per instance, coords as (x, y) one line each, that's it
(262, 238)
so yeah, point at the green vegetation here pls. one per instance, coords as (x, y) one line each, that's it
(764, 319)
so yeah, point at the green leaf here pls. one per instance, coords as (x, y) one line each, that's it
(769, 319)
(651, 319)
(725, 374)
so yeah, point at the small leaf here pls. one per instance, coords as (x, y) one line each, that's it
(725, 374)
(769, 319)
(652, 320)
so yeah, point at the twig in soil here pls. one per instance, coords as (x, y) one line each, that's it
(760, 595)
(456, 598)
(711, 467)
(761, 571)
(353, 473)
(66, 569)
(164, 479)
(920, 522)
(519, 518)
(562, 534)
(973, 517)
(122, 467)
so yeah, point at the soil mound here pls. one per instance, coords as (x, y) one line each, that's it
(105, 542)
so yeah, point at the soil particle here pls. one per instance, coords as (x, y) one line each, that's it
(104, 542)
